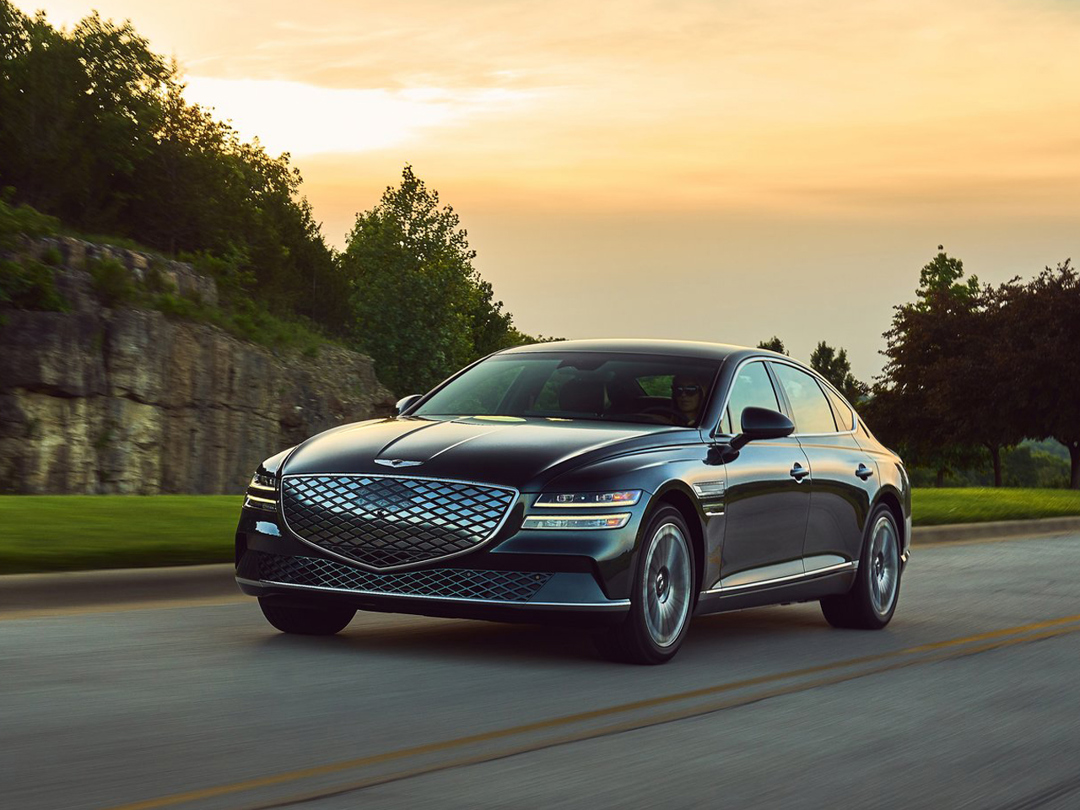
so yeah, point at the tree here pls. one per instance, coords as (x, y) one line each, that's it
(835, 367)
(773, 344)
(421, 309)
(94, 129)
(944, 390)
(1039, 332)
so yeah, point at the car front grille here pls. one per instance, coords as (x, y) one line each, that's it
(447, 583)
(386, 522)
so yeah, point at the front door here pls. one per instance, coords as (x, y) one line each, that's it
(767, 496)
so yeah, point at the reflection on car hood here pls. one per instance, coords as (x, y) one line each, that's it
(517, 453)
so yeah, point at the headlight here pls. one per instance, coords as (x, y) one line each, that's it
(578, 522)
(263, 480)
(584, 499)
(262, 492)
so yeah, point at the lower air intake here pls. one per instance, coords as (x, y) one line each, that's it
(448, 583)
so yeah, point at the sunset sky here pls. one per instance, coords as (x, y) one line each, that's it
(719, 171)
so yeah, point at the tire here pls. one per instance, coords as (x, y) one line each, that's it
(662, 599)
(313, 620)
(871, 602)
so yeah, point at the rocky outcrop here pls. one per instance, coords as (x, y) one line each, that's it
(99, 400)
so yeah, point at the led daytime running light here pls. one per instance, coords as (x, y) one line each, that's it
(578, 522)
(627, 497)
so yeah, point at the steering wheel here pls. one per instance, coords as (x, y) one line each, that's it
(664, 411)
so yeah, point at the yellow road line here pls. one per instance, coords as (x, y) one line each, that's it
(635, 725)
(993, 637)
(123, 607)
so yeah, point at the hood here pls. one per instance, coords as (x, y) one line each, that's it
(518, 453)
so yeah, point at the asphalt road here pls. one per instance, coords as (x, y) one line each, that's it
(971, 698)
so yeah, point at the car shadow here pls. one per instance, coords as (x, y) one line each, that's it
(422, 638)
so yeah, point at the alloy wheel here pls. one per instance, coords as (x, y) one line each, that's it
(667, 584)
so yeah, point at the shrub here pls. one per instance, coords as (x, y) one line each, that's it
(112, 282)
(30, 286)
(22, 220)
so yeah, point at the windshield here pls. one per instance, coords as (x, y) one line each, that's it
(648, 389)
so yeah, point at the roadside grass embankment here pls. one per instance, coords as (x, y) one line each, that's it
(40, 533)
(936, 507)
(83, 532)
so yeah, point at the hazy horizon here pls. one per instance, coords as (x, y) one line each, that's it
(682, 170)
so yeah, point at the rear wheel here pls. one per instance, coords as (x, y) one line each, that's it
(871, 602)
(662, 598)
(306, 620)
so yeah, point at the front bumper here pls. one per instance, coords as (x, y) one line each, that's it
(524, 576)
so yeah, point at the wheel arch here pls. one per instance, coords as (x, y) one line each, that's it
(891, 499)
(678, 495)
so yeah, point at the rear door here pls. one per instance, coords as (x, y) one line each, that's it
(842, 475)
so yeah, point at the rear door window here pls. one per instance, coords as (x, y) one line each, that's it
(810, 408)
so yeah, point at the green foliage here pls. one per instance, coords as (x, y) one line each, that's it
(1039, 331)
(1022, 466)
(835, 367)
(21, 220)
(156, 282)
(95, 130)
(421, 310)
(942, 280)
(112, 282)
(972, 371)
(946, 394)
(247, 321)
(773, 344)
(29, 285)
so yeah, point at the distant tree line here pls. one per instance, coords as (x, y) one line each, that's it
(971, 372)
(95, 130)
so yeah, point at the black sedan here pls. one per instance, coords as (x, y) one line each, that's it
(621, 486)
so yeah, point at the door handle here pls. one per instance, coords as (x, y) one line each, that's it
(799, 472)
(863, 471)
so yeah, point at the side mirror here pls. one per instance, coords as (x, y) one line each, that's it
(762, 423)
(405, 403)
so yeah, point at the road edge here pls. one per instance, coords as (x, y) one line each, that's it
(19, 592)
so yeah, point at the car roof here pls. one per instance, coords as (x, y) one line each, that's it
(680, 348)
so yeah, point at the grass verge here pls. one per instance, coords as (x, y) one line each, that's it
(934, 507)
(82, 532)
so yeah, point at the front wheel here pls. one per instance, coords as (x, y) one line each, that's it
(871, 602)
(662, 598)
(306, 620)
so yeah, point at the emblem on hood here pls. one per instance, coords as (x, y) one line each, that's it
(397, 462)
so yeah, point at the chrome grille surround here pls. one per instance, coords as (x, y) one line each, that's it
(444, 583)
(389, 522)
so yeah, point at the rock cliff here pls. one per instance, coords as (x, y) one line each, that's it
(99, 400)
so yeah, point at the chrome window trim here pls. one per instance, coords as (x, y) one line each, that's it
(614, 604)
(764, 359)
(404, 566)
(832, 569)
